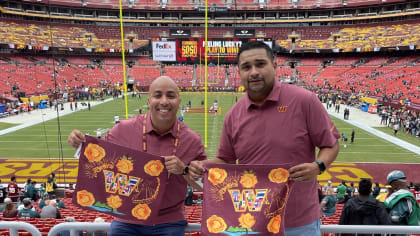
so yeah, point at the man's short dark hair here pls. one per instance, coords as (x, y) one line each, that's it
(365, 187)
(12, 178)
(26, 202)
(255, 44)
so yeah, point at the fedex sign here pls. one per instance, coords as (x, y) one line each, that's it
(163, 51)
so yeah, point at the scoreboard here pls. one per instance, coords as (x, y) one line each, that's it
(192, 50)
(219, 50)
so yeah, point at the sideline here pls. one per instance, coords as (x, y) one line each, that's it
(357, 121)
(40, 116)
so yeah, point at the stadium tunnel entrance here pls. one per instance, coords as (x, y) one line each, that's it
(130, 85)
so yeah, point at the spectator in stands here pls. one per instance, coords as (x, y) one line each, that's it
(320, 192)
(25, 186)
(328, 185)
(42, 190)
(189, 197)
(350, 191)
(2, 192)
(401, 203)
(42, 201)
(364, 209)
(60, 204)
(13, 189)
(328, 203)
(161, 128)
(266, 112)
(199, 200)
(376, 190)
(6, 200)
(416, 191)
(50, 186)
(9, 210)
(341, 192)
(28, 210)
(51, 210)
(31, 191)
(52, 175)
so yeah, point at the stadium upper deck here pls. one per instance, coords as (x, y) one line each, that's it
(191, 13)
(232, 4)
(33, 35)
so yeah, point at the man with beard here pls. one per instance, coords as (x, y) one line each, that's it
(278, 123)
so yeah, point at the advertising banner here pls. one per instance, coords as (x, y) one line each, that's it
(163, 51)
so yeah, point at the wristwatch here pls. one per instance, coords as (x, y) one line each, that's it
(186, 169)
(321, 166)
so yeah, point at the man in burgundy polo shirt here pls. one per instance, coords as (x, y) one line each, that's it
(13, 190)
(278, 123)
(162, 133)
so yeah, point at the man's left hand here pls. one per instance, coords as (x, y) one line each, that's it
(174, 165)
(304, 172)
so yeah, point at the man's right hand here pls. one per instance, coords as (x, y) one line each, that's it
(76, 138)
(196, 170)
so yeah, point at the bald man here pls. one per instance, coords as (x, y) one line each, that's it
(158, 132)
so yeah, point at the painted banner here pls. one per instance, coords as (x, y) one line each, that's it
(119, 181)
(66, 171)
(245, 199)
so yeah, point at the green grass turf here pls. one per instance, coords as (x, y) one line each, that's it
(42, 140)
(401, 135)
(370, 148)
(6, 125)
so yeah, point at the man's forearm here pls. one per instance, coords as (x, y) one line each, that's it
(328, 154)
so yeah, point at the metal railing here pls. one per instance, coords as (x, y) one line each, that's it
(75, 227)
(14, 226)
(370, 229)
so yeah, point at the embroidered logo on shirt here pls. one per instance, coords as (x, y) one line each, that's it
(282, 108)
(332, 128)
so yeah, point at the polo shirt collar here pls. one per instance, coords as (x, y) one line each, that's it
(149, 127)
(272, 96)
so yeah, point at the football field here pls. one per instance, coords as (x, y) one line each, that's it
(49, 139)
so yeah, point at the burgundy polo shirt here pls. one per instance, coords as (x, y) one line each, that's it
(284, 130)
(129, 133)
